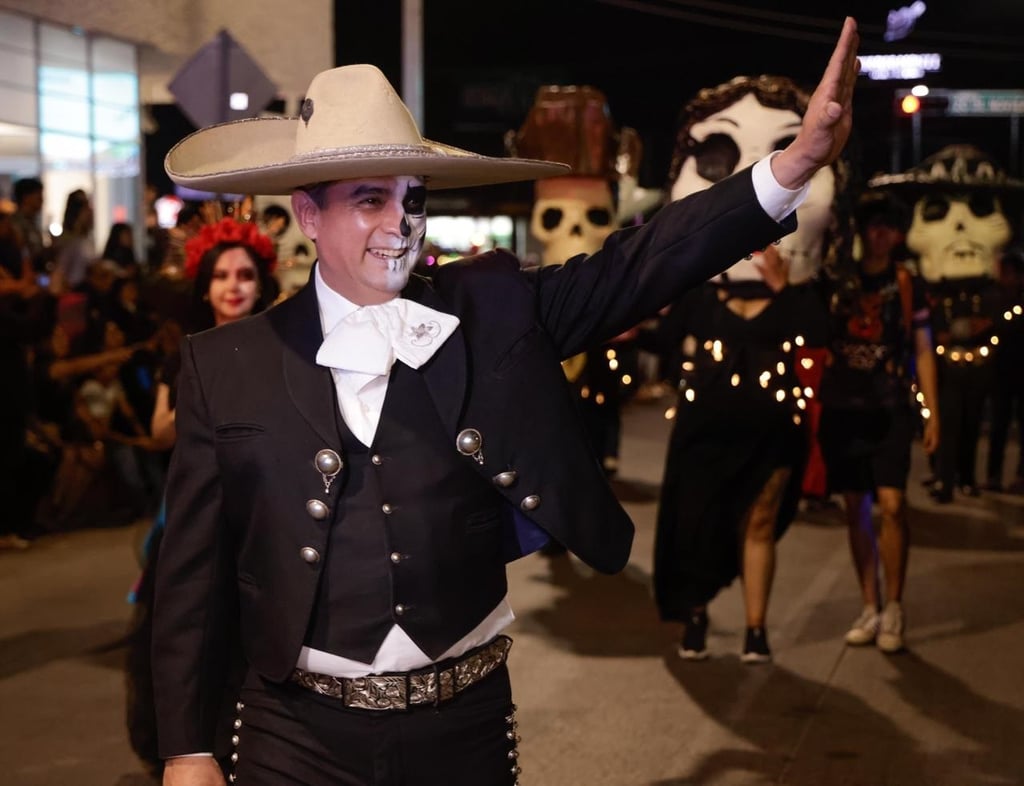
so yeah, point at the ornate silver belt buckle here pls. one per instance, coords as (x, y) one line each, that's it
(377, 692)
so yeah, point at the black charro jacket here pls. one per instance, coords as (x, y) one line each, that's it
(254, 408)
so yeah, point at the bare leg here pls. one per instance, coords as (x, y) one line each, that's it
(893, 541)
(759, 547)
(863, 545)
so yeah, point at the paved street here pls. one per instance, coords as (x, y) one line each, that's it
(602, 697)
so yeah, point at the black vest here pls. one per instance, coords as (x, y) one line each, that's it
(416, 538)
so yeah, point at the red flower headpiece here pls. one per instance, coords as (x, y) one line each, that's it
(228, 230)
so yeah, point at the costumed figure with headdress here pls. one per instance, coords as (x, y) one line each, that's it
(573, 215)
(961, 224)
(733, 474)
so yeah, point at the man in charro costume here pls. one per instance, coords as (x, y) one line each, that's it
(355, 466)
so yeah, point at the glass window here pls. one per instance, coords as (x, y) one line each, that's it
(17, 53)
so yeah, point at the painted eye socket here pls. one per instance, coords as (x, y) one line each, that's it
(415, 202)
(551, 218)
(982, 205)
(717, 157)
(935, 208)
(599, 216)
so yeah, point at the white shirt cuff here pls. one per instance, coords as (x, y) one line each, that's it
(777, 202)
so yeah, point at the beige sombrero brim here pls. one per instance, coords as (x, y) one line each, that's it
(257, 156)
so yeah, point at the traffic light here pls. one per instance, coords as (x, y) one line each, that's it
(933, 104)
(910, 104)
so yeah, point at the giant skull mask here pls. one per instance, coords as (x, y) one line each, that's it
(572, 215)
(572, 124)
(958, 236)
(732, 126)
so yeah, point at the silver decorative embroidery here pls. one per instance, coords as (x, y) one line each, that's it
(423, 334)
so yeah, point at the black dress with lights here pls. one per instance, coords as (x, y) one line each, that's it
(740, 416)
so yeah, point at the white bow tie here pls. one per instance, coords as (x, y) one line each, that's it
(371, 338)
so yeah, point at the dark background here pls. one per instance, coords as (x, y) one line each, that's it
(484, 62)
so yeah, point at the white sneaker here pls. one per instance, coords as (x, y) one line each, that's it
(890, 633)
(864, 628)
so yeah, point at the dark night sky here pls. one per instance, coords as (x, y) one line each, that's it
(651, 56)
(484, 63)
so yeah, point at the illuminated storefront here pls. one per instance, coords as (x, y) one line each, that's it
(69, 114)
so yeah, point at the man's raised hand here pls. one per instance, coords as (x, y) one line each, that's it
(828, 119)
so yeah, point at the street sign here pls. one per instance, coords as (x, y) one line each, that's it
(988, 103)
(208, 86)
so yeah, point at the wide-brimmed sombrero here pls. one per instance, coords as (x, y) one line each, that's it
(963, 168)
(352, 124)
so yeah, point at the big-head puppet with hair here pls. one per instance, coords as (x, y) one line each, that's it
(731, 126)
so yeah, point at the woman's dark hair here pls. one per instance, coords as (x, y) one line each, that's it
(116, 251)
(200, 316)
(77, 203)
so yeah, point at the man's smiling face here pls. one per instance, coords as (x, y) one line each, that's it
(368, 234)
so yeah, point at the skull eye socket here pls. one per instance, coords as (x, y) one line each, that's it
(551, 218)
(599, 216)
(717, 157)
(934, 208)
(982, 205)
(782, 144)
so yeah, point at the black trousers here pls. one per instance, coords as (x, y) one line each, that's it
(288, 735)
(962, 394)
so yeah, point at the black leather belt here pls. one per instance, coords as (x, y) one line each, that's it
(432, 685)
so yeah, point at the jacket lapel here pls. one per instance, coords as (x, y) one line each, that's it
(445, 372)
(311, 387)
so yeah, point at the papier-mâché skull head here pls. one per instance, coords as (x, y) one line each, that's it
(574, 214)
(960, 225)
(732, 126)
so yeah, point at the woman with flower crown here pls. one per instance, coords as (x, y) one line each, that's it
(231, 264)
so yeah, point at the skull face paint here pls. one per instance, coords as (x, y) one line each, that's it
(756, 118)
(572, 215)
(368, 235)
(958, 236)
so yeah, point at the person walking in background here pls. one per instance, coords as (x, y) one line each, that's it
(880, 342)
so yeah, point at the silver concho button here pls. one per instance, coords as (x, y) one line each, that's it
(531, 502)
(470, 442)
(396, 557)
(309, 554)
(328, 462)
(317, 509)
(399, 609)
(505, 479)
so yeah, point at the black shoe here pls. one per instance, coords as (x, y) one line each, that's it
(969, 490)
(695, 633)
(755, 648)
(941, 495)
(992, 485)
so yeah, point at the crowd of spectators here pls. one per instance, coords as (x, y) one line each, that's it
(85, 331)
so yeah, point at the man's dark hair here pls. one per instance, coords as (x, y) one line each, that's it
(880, 207)
(26, 187)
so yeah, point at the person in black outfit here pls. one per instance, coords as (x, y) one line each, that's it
(880, 340)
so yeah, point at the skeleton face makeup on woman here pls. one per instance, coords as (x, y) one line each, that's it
(737, 136)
